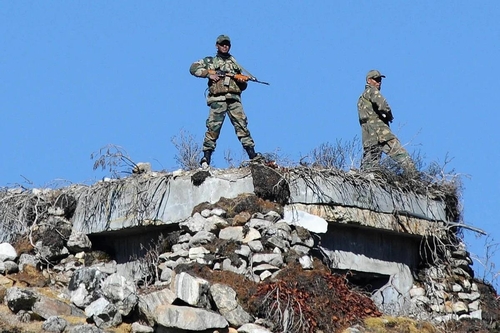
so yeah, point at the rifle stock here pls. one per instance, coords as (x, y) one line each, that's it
(240, 77)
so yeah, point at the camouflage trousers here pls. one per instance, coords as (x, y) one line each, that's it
(393, 148)
(216, 116)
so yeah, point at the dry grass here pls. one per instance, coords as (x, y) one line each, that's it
(387, 324)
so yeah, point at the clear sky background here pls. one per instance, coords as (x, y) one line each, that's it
(76, 76)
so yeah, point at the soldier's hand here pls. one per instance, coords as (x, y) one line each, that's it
(214, 77)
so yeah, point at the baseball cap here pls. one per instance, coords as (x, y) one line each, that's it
(223, 38)
(373, 74)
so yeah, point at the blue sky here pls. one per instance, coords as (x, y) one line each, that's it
(79, 75)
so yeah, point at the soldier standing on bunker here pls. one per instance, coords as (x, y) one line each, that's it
(374, 117)
(224, 97)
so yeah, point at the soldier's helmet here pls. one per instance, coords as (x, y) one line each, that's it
(223, 38)
(373, 74)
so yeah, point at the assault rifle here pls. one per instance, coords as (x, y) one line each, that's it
(386, 117)
(240, 77)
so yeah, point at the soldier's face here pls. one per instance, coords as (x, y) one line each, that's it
(224, 47)
(376, 82)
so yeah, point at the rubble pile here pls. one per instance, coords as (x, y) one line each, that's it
(158, 292)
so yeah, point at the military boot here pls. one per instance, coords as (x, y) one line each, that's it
(252, 154)
(207, 156)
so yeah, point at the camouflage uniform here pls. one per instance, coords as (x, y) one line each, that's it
(224, 96)
(374, 116)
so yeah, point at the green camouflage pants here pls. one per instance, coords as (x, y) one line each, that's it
(216, 117)
(393, 148)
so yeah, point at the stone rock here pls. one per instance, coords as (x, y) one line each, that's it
(303, 219)
(188, 318)
(206, 213)
(197, 252)
(217, 221)
(251, 235)
(274, 259)
(473, 296)
(306, 262)
(459, 308)
(107, 268)
(20, 299)
(272, 216)
(228, 266)
(354, 329)
(232, 233)
(166, 275)
(138, 328)
(149, 302)
(81, 297)
(279, 242)
(419, 300)
(446, 318)
(474, 306)
(466, 284)
(196, 223)
(78, 241)
(192, 290)
(243, 251)
(264, 267)
(121, 292)
(478, 314)
(302, 236)
(85, 286)
(239, 234)
(47, 307)
(86, 328)
(8, 267)
(218, 212)
(300, 249)
(436, 273)
(256, 246)
(241, 218)
(27, 259)
(225, 299)
(259, 224)
(103, 313)
(90, 277)
(181, 253)
(253, 328)
(417, 291)
(461, 272)
(264, 275)
(24, 316)
(201, 237)
(54, 324)
(5, 282)
(180, 247)
(7, 252)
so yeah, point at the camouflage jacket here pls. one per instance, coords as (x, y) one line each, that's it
(374, 116)
(224, 89)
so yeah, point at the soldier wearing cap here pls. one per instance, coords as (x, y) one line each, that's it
(224, 97)
(374, 117)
